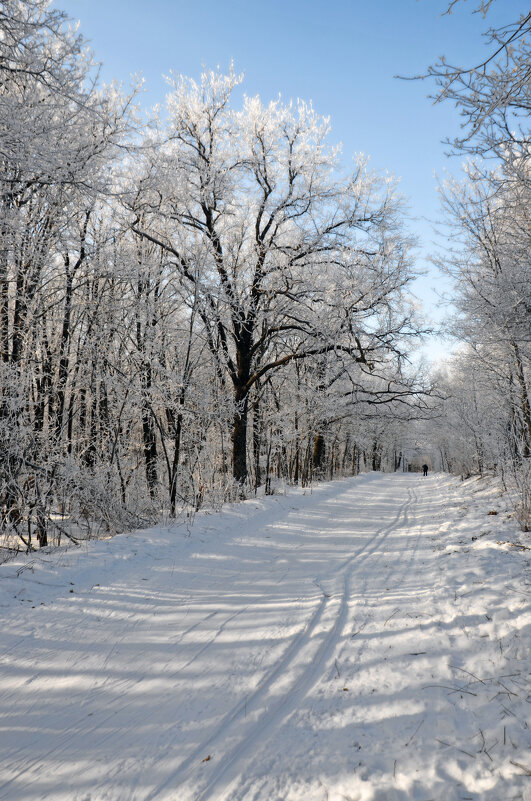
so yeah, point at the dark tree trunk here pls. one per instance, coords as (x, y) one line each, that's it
(64, 357)
(43, 384)
(239, 435)
(355, 468)
(91, 453)
(297, 454)
(19, 318)
(318, 453)
(177, 426)
(4, 295)
(241, 406)
(376, 456)
(256, 443)
(525, 404)
(82, 414)
(70, 424)
(149, 434)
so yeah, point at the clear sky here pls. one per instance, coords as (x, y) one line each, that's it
(341, 54)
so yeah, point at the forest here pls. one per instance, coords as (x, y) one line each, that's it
(206, 304)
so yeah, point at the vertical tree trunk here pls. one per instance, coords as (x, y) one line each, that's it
(241, 406)
(149, 434)
(297, 454)
(257, 423)
(318, 452)
(64, 357)
(91, 452)
(43, 382)
(268, 465)
(525, 404)
(355, 465)
(4, 293)
(239, 435)
(177, 432)
(376, 456)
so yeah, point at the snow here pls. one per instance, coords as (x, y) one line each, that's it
(367, 640)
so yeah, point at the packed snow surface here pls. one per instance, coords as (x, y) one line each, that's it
(367, 640)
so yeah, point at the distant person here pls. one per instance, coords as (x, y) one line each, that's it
(424, 469)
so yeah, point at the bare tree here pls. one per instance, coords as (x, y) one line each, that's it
(286, 260)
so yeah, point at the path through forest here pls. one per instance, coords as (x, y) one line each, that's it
(364, 641)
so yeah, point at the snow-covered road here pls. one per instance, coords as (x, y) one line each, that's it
(350, 643)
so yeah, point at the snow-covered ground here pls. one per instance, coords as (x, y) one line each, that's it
(368, 641)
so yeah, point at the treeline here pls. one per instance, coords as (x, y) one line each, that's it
(189, 310)
(486, 422)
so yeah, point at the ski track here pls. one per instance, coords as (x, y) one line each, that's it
(250, 737)
(63, 742)
(313, 621)
(251, 742)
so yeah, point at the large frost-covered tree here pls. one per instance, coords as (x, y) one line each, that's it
(287, 260)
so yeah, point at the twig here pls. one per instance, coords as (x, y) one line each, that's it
(414, 733)
(454, 667)
(473, 756)
(449, 745)
(75, 540)
(452, 689)
(509, 712)
(392, 615)
(337, 670)
(527, 771)
(461, 690)
(506, 688)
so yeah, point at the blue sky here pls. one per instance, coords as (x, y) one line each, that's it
(341, 54)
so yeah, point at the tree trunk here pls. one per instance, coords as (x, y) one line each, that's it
(175, 463)
(256, 442)
(149, 435)
(525, 404)
(318, 453)
(64, 357)
(239, 435)
(4, 294)
(376, 456)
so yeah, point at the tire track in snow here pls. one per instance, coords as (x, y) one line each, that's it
(251, 736)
